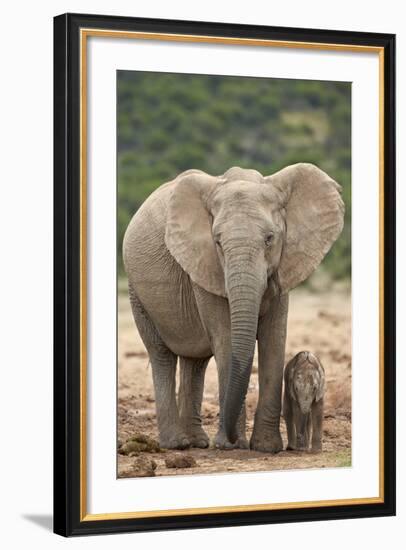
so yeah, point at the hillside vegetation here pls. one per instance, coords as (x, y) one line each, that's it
(167, 123)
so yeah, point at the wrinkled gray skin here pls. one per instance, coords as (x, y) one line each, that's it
(303, 402)
(210, 261)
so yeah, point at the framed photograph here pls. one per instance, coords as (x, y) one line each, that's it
(224, 249)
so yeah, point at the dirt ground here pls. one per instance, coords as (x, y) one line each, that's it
(319, 322)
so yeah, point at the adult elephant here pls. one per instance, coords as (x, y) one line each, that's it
(210, 261)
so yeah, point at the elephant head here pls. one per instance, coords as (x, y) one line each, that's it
(306, 381)
(238, 233)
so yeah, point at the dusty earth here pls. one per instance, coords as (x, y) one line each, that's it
(318, 321)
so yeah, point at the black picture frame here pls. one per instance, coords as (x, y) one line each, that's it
(67, 288)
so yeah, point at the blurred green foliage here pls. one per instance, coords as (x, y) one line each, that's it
(168, 123)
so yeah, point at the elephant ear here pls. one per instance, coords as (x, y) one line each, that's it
(314, 220)
(188, 234)
(289, 376)
(320, 375)
(321, 388)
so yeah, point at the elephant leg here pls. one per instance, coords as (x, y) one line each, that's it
(309, 427)
(192, 372)
(163, 362)
(317, 426)
(290, 425)
(266, 435)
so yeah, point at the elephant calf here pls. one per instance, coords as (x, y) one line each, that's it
(303, 401)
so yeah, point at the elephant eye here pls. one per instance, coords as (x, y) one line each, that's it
(269, 239)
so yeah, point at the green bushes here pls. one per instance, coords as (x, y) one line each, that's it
(167, 123)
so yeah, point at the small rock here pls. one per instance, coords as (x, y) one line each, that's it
(180, 461)
(139, 443)
(141, 467)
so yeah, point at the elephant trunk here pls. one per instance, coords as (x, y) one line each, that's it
(244, 294)
(302, 432)
(303, 423)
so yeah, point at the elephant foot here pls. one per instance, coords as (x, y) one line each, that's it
(301, 444)
(221, 442)
(268, 444)
(242, 443)
(199, 439)
(174, 441)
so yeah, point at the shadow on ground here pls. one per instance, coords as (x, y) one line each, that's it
(42, 520)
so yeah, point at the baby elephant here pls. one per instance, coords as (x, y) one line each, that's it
(303, 401)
